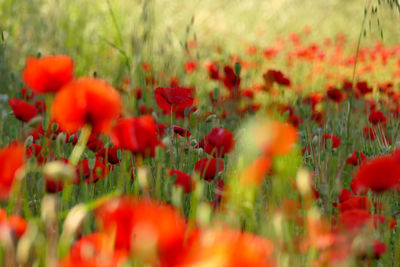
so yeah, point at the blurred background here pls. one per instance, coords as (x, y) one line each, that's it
(113, 37)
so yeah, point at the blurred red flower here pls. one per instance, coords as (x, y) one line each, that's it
(209, 168)
(11, 160)
(22, 110)
(379, 174)
(334, 139)
(356, 160)
(376, 117)
(173, 98)
(183, 180)
(140, 226)
(86, 101)
(218, 142)
(335, 95)
(48, 74)
(137, 134)
(94, 250)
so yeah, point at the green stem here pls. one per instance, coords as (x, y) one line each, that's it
(81, 145)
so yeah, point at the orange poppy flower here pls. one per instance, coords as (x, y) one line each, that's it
(94, 250)
(48, 74)
(11, 159)
(257, 170)
(86, 101)
(276, 138)
(228, 247)
(142, 226)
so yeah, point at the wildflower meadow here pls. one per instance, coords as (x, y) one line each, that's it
(204, 133)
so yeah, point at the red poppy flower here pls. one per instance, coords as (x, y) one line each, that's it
(190, 66)
(379, 248)
(356, 160)
(48, 74)
(94, 143)
(335, 140)
(354, 219)
(230, 79)
(209, 168)
(137, 134)
(138, 224)
(99, 171)
(110, 154)
(94, 250)
(183, 180)
(376, 117)
(363, 88)
(218, 142)
(22, 110)
(335, 95)
(36, 151)
(356, 202)
(181, 131)
(11, 160)
(86, 101)
(276, 76)
(175, 98)
(16, 224)
(213, 70)
(161, 129)
(379, 174)
(228, 247)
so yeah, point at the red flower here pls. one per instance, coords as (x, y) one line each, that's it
(48, 74)
(379, 249)
(272, 76)
(94, 250)
(218, 142)
(209, 168)
(230, 79)
(213, 70)
(356, 160)
(363, 88)
(138, 224)
(228, 247)
(137, 134)
(379, 174)
(94, 143)
(376, 117)
(335, 95)
(22, 110)
(356, 202)
(11, 159)
(99, 171)
(110, 154)
(183, 180)
(354, 219)
(175, 98)
(86, 101)
(16, 224)
(181, 131)
(190, 66)
(335, 140)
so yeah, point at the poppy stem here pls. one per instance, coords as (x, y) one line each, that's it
(81, 145)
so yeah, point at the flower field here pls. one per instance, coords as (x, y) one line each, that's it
(199, 133)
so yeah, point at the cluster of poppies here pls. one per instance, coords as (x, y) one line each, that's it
(227, 184)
